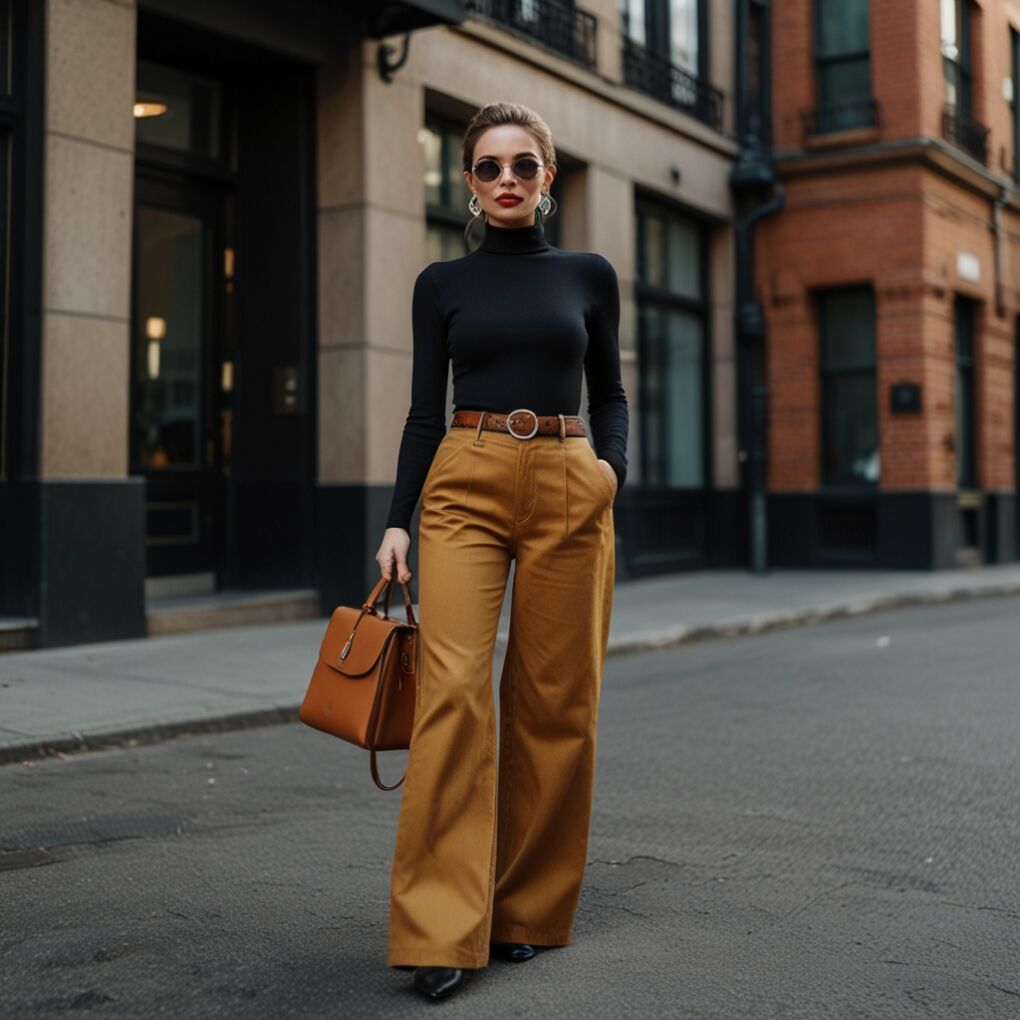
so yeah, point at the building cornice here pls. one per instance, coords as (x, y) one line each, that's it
(934, 153)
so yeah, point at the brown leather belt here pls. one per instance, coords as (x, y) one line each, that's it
(522, 423)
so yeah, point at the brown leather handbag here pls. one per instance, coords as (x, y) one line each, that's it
(363, 686)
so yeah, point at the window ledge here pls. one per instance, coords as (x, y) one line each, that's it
(839, 139)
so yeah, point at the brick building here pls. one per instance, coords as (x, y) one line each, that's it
(890, 283)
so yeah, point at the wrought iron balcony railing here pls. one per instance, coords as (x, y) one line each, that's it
(668, 83)
(842, 116)
(556, 24)
(960, 128)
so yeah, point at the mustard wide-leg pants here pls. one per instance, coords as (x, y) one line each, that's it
(484, 855)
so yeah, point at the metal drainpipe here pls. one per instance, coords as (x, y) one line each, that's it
(752, 176)
(757, 511)
(1000, 202)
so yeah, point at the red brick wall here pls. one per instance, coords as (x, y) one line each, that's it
(793, 85)
(906, 69)
(901, 227)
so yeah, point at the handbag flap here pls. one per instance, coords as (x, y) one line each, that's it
(370, 640)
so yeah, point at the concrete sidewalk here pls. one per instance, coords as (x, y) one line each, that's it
(97, 695)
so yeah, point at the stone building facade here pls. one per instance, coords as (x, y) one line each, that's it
(216, 210)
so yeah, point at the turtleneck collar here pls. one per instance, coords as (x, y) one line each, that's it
(514, 240)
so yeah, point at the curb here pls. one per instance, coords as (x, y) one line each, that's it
(776, 621)
(145, 733)
(136, 736)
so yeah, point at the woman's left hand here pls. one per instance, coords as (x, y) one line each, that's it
(612, 474)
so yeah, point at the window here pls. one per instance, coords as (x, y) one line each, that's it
(956, 54)
(672, 330)
(842, 65)
(5, 153)
(963, 403)
(671, 29)
(665, 54)
(1014, 38)
(849, 412)
(5, 47)
(446, 191)
(958, 124)
(177, 111)
(10, 116)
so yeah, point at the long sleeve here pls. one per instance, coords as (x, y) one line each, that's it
(608, 412)
(425, 424)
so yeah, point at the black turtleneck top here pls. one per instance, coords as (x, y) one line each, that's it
(520, 320)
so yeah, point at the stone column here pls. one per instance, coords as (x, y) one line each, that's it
(91, 514)
(371, 248)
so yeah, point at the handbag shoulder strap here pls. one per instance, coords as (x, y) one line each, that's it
(378, 781)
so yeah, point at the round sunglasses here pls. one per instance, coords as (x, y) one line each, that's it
(524, 167)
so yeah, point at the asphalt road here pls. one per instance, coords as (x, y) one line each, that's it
(816, 822)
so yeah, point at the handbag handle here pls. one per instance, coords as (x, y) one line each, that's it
(368, 606)
(370, 603)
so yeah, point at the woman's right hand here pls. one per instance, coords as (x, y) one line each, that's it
(394, 547)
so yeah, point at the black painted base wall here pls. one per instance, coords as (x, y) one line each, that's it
(271, 543)
(899, 530)
(73, 556)
(72, 553)
(1002, 527)
(19, 549)
(349, 526)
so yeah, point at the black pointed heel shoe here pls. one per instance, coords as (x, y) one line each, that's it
(518, 952)
(437, 982)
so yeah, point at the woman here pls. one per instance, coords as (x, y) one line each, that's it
(491, 862)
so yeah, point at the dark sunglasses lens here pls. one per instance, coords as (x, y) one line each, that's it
(526, 168)
(487, 170)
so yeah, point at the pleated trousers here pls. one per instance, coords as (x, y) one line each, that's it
(493, 848)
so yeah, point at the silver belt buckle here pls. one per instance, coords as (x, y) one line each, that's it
(509, 423)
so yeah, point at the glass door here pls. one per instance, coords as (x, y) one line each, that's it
(180, 373)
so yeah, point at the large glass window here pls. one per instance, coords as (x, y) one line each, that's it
(963, 403)
(672, 330)
(842, 65)
(849, 412)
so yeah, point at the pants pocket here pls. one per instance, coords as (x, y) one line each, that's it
(604, 481)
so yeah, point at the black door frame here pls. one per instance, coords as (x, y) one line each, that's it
(207, 484)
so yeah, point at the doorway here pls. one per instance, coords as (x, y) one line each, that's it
(224, 328)
(182, 371)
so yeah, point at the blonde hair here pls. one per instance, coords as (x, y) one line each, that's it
(495, 114)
